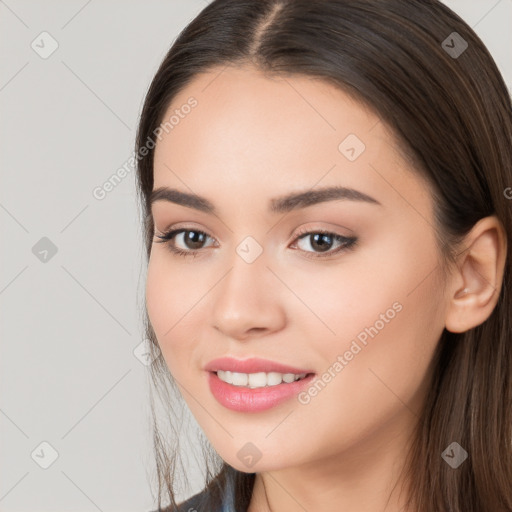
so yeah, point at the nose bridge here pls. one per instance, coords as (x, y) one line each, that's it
(245, 299)
(246, 278)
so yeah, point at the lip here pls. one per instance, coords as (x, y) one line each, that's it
(252, 365)
(245, 399)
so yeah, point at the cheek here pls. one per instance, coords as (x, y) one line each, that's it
(169, 298)
(158, 297)
(387, 326)
(349, 295)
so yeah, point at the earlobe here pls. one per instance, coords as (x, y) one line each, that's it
(478, 281)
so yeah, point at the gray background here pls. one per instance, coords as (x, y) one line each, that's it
(70, 320)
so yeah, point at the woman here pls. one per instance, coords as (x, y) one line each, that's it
(325, 189)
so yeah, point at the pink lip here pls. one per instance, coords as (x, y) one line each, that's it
(252, 365)
(245, 399)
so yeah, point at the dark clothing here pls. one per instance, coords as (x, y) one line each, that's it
(219, 496)
(196, 504)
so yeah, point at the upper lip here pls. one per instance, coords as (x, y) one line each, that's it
(252, 365)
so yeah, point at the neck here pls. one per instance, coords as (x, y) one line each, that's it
(366, 477)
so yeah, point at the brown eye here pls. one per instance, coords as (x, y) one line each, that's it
(192, 240)
(322, 242)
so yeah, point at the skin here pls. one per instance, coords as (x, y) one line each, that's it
(252, 138)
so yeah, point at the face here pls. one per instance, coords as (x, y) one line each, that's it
(343, 289)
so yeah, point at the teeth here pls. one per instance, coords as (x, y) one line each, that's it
(274, 378)
(239, 379)
(257, 380)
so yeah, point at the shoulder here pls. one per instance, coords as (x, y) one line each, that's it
(194, 504)
(220, 494)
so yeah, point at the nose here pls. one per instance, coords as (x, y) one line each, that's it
(248, 301)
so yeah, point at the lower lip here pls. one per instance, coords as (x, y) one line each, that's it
(243, 399)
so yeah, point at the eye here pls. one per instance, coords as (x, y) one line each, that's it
(193, 241)
(322, 241)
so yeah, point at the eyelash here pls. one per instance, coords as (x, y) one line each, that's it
(348, 242)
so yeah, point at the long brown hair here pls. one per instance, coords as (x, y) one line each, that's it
(452, 116)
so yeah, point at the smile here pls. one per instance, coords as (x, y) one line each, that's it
(268, 389)
(258, 380)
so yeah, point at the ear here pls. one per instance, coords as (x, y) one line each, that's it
(475, 286)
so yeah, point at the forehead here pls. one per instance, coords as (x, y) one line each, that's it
(251, 134)
(244, 110)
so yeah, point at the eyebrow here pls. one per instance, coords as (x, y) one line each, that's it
(283, 204)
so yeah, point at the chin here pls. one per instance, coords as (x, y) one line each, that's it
(249, 457)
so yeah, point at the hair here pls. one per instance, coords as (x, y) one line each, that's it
(452, 119)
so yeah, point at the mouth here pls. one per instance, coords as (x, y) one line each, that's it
(254, 384)
(259, 379)
(256, 391)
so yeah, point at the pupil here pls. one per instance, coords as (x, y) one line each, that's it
(191, 238)
(321, 246)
